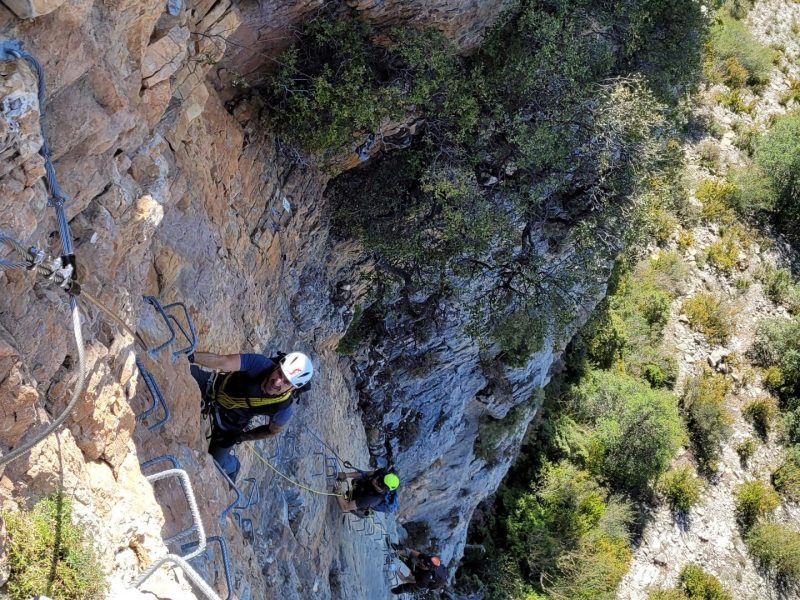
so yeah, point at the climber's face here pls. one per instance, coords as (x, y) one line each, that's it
(275, 383)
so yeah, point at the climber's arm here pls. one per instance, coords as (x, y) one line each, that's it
(218, 362)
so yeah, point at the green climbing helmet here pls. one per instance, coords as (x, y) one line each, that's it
(391, 481)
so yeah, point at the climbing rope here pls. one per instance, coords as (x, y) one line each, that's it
(258, 455)
(13, 50)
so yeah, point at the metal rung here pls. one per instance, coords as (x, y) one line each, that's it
(239, 496)
(191, 336)
(176, 464)
(193, 576)
(156, 396)
(226, 565)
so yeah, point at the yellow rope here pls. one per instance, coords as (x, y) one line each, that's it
(292, 481)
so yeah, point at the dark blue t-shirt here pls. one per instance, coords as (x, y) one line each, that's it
(246, 382)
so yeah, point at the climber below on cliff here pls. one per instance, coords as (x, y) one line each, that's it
(427, 572)
(242, 386)
(372, 491)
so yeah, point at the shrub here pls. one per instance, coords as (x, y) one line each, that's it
(773, 378)
(709, 153)
(593, 570)
(715, 197)
(685, 239)
(709, 315)
(786, 478)
(778, 155)
(781, 288)
(754, 499)
(706, 416)
(731, 43)
(738, 9)
(544, 525)
(760, 412)
(724, 253)
(666, 594)
(747, 137)
(699, 585)
(734, 100)
(637, 429)
(776, 546)
(745, 450)
(519, 336)
(681, 487)
(754, 192)
(42, 536)
(792, 94)
(777, 344)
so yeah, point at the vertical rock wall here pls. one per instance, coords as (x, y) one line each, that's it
(177, 194)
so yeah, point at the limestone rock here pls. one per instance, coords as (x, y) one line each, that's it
(28, 9)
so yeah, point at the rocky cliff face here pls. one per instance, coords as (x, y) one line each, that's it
(177, 194)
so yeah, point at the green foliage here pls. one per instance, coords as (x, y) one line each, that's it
(544, 525)
(776, 546)
(706, 416)
(709, 154)
(761, 412)
(567, 531)
(327, 87)
(738, 9)
(666, 594)
(694, 583)
(710, 315)
(636, 429)
(354, 335)
(777, 344)
(786, 478)
(491, 431)
(681, 487)
(699, 585)
(754, 499)
(778, 155)
(725, 253)
(754, 192)
(48, 554)
(747, 136)
(519, 335)
(792, 94)
(735, 100)
(627, 334)
(715, 196)
(734, 51)
(745, 450)
(593, 570)
(781, 288)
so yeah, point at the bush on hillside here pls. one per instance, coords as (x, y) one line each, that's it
(681, 487)
(745, 450)
(636, 430)
(593, 570)
(777, 344)
(544, 525)
(716, 197)
(706, 416)
(786, 478)
(776, 546)
(754, 500)
(697, 584)
(711, 315)
(761, 412)
(778, 155)
(781, 287)
(48, 554)
(736, 57)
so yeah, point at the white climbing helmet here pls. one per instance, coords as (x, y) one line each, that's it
(297, 368)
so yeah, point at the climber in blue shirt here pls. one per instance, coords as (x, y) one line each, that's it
(241, 387)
